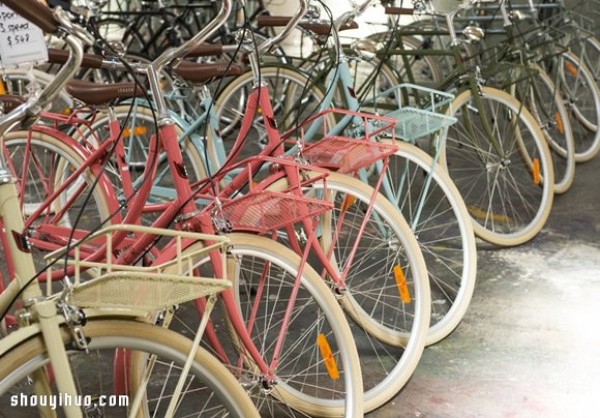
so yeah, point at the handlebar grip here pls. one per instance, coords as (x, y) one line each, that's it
(399, 11)
(37, 13)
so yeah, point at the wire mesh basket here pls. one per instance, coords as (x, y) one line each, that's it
(146, 288)
(418, 111)
(585, 20)
(263, 210)
(346, 155)
(347, 141)
(266, 211)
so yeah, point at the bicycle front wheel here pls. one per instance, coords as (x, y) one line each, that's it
(546, 105)
(387, 289)
(209, 389)
(583, 97)
(437, 214)
(499, 161)
(304, 381)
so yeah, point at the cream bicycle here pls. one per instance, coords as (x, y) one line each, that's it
(59, 357)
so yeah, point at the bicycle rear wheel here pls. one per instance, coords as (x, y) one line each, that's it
(17, 81)
(294, 98)
(123, 36)
(424, 70)
(586, 47)
(506, 180)
(209, 390)
(139, 124)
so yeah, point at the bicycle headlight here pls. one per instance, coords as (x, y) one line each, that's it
(474, 33)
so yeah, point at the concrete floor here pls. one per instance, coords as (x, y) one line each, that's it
(529, 345)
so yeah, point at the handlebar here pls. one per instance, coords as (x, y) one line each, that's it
(315, 27)
(180, 52)
(391, 10)
(351, 14)
(269, 43)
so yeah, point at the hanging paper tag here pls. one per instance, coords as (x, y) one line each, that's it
(20, 40)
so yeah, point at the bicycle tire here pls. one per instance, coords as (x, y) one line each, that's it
(583, 96)
(17, 81)
(546, 105)
(369, 76)
(303, 384)
(503, 212)
(425, 70)
(443, 229)
(586, 47)
(389, 350)
(107, 335)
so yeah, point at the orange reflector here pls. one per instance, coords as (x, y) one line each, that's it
(66, 111)
(138, 130)
(402, 286)
(2, 88)
(571, 69)
(348, 201)
(536, 171)
(559, 123)
(327, 355)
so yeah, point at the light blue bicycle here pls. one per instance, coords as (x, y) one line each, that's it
(423, 191)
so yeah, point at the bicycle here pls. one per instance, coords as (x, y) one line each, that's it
(444, 232)
(527, 81)
(549, 43)
(53, 336)
(318, 302)
(495, 153)
(579, 85)
(455, 284)
(449, 245)
(362, 196)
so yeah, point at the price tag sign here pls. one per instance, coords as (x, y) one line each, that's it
(20, 40)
